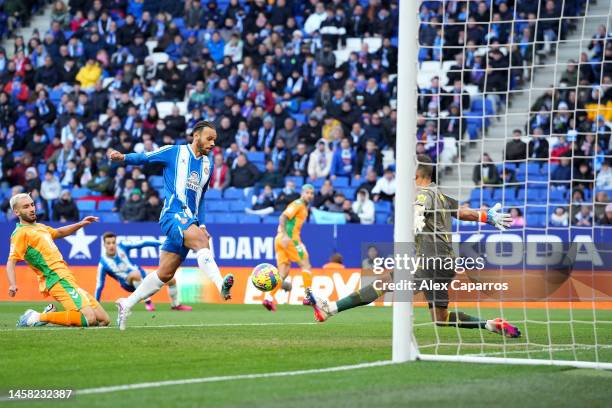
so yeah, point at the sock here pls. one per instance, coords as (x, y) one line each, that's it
(136, 284)
(307, 278)
(464, 321)
(270, 294)
(66, 318)
(173, 293)
(149, 286)
(207, 264)
(362, 297)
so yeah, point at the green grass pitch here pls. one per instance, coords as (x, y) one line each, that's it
(222, 340)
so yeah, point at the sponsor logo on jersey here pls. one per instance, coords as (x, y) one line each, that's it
(193, 182)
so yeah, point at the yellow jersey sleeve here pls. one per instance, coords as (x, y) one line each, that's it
(19, 245)
(291, 210)
(52, 231)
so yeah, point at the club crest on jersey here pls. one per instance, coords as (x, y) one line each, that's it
(193, 182)
(206, 169)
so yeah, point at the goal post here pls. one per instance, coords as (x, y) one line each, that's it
(404, 347)
(574, 331)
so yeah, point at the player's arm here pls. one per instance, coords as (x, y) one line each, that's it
(493, 216)
(161, 155)
(126, 246)
(19, 244)
(72, 228)
(10, 274)
(287, 215)
(100, 280)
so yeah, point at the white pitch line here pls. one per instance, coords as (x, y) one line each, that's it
(139, 386)
(161, 326)
(541, 350)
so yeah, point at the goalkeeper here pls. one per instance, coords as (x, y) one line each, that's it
(433, 211)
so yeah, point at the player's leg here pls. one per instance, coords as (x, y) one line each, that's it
(283, 270)
(304, 262)
(133, 280)
(77, 309)
(173, 294)
(438, 307)
(361, 297)
(197, 239)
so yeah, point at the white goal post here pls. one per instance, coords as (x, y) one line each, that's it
(405, 345)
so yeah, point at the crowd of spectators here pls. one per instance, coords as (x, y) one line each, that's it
(265, 72)
(568, 131)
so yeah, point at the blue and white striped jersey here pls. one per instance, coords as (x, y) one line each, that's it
(186, 178)
(119, 266)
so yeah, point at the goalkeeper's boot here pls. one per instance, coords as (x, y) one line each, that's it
(501, 326)
(183, 308)
(50, 308)
(269, 304)
(149, 306)
(228, 282)
(122, 313)
(324, 310)
(318, 314)
(29, 318)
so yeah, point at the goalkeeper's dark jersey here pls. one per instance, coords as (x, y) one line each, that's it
(436, 237)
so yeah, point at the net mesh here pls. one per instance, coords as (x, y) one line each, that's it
(515, 107)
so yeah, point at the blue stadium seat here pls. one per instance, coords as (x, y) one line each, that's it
(535, 196)
(86, 205)
(210, 218)
(557, 197)
(318, 183)
(256, 157)
(215, 206)
(269, 219)
(213, 194)
(110, 217)
(340, 182)
(233, 194)
(535, 220)
(156, 182)
(238, 206)
(225, 218)
(299, 117)
(299, 181)
(349, 192)
(536, 209)
(261, 166)
(249, 219)
(306, 106)
(106, 205)
(80, 192)
(382, 206)
(381, 218)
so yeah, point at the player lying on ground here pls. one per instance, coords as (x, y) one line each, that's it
(187, 171)
(33, 243)
(433, 211)
(116, 263)
(289, 247)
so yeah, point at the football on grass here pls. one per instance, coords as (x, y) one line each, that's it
(265, 277)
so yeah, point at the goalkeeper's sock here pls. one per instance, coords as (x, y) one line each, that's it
(65, 318)
(464, 321)
(362, 297)
(149, 286)
(207, 264)
(173, 294)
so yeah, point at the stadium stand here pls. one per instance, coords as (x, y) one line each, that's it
(131, 75)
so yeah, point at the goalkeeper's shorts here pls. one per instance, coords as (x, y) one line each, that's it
(435, 297)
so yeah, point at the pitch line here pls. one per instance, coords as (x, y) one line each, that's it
(139, 386)
(160, 326)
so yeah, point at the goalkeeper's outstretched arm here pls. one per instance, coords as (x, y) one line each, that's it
(493, 216)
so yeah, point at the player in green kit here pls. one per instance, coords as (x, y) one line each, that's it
(433, 211)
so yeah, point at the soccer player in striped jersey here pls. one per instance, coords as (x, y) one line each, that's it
(116, 263)
(187, 171)
(33, 243)
(432, 219)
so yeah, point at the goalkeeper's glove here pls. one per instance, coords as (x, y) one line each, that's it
(419, 218)
(496, 218)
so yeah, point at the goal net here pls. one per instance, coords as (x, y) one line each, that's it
(514, 106)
